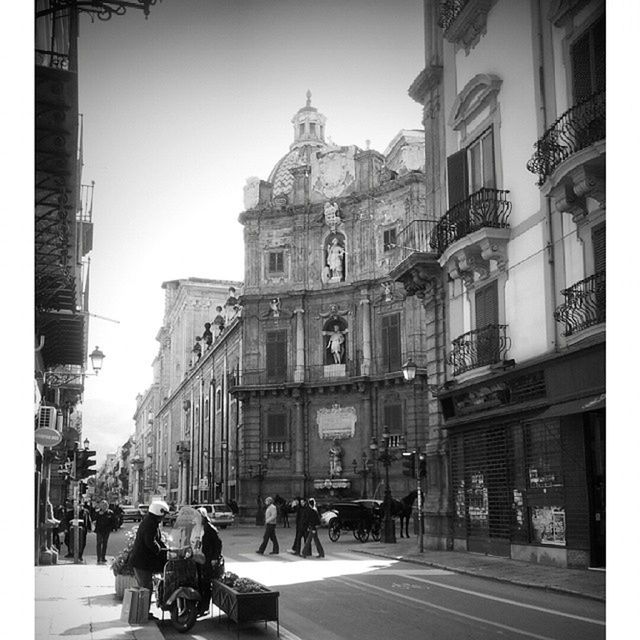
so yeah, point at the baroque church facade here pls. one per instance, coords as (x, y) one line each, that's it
(325, 329)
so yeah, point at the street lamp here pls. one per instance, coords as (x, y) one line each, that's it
(86, 444)
(97, 358)
(409, 369)
(388, 525)
(365, 469)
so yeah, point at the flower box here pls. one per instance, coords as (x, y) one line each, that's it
(124, 582)
(252, 606)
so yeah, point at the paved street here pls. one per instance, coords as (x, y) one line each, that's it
(357, 591)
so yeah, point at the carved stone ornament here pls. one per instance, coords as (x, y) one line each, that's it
(334, 174)
(332, 215)
(470, 24)
(477, 94)
(333, 312)
(336, 422)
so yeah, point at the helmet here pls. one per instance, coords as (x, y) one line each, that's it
(203, 512)
(159, 508)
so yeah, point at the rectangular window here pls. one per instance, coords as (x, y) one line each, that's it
(392, 416)
(389, 239)
(488, 336)
(588, 61)
(471, 168)
(391, 343)
(276, 262)
(276, 355)
(312, 128)
(276, 432)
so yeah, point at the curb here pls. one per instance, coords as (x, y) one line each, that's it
(471, 572)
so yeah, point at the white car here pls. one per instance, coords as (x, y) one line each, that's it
(219, 513)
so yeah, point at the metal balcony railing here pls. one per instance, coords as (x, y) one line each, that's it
(484, 208)
(479, 348)
(576, 129)
(416, 236)
(585, 304)
(449, 11)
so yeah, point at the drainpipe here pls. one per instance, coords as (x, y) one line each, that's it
(549, 211)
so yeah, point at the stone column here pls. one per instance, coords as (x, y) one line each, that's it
(299, 437)
(366, 336)
(298, 375)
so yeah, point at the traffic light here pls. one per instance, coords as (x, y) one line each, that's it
(82, 487)
(84, 460)
(422, 468)
(409, 463)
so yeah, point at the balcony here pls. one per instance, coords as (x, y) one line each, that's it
(585, 304)
(575, 130)
(486, 208)
(479, 348)
(418, 268)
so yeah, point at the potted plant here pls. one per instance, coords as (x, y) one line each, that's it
(121, 568)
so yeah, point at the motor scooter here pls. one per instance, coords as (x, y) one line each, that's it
(176, 589)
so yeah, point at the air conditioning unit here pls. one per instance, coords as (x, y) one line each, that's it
(47, 417)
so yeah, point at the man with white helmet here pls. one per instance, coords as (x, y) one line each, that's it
(149, 552)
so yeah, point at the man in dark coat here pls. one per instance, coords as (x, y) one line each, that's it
(299, 505)
(312, 521)
(212, 549)
(149, 552)
(103, 525)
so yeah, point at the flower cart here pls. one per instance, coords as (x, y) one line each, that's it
(244, 600)
(121, 568)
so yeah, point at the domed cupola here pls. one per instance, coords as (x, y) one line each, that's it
(308, 126)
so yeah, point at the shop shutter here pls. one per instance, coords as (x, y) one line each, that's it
(457, 181)
(391, 346)
(276, 355)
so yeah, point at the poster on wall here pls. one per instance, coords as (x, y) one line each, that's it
(548, 525)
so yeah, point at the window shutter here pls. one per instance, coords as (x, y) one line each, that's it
(276, 354)
(599, 241)
(391, 345)
(599, 56)
(276, 426)
(588, 61)
(457, 177)
(487, 305)
(393, 418)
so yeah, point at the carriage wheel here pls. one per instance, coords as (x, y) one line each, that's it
(361, 533)
(334, 531)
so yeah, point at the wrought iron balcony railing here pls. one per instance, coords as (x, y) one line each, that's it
(574, 130)
(484, 208)
(585, 304)
(449, 11)
(416, 236)
(479, 347)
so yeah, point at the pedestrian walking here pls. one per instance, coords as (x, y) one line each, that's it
(299, 505)
(103, 524)
(270, 519)
(149, 552)
(313, 522)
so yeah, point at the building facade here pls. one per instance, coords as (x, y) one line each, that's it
(326, 330)
(514, 115)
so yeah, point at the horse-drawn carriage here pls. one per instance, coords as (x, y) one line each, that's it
(355, 517)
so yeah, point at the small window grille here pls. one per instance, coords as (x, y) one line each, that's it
(276, 262)
(389, 239)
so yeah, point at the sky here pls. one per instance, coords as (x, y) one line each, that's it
(179, 110)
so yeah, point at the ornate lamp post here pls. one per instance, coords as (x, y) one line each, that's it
(259, 472)
(364, 471)
(388, 525)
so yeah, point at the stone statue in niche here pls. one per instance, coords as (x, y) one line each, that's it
(335, 255)
(335, 343)
(335, 459)
(274, 306)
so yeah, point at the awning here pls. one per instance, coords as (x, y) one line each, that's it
(581, 405)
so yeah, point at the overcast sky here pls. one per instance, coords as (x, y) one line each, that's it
(179, 110)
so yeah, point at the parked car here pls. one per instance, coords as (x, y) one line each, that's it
(130, 513)
(219, 513)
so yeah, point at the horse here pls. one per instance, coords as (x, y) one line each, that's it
(402, 509)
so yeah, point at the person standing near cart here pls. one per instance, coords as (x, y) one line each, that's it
(270, 520)
(149, 552)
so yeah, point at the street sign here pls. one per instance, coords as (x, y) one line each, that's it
(47, 436)
(204, 483)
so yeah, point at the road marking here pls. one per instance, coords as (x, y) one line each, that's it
(507, 601)
(365, 587)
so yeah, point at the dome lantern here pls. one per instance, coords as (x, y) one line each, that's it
(308, 126)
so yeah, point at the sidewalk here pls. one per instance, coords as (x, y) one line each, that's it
(584, 583)
(78, 602)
